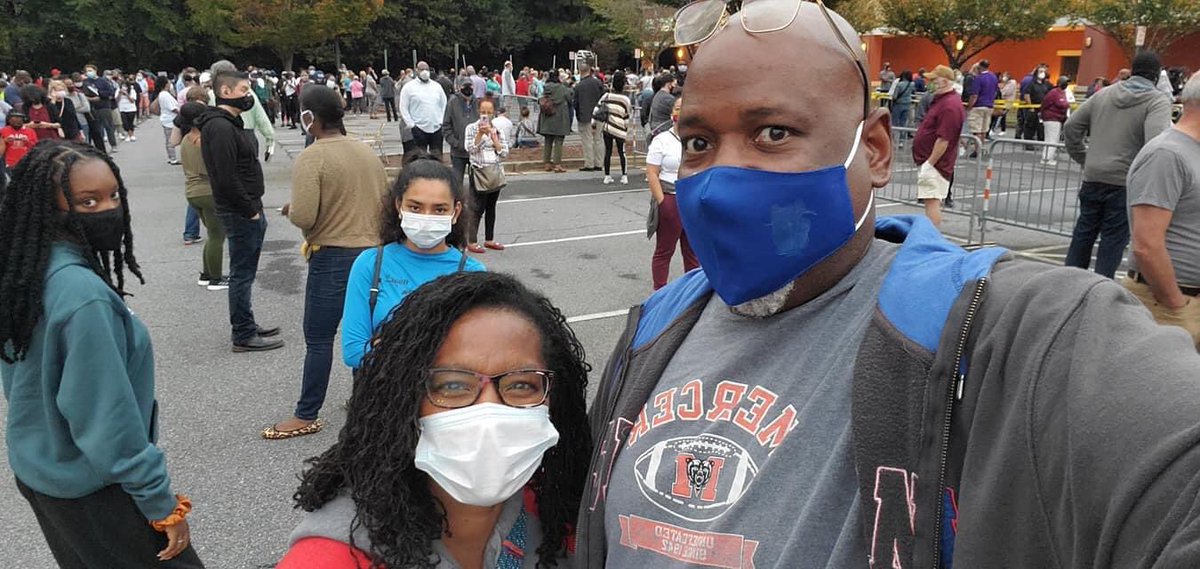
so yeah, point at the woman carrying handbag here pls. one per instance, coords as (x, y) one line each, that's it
(487, 146)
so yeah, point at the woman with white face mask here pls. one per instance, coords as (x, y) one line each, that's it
(466, 440)
(423, 234)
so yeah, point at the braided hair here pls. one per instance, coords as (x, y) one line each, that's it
(30, 221)
(373, 458)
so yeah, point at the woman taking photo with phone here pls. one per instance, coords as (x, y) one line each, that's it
(466, 443)
(78, 369)
(487, 147)
(423, 231)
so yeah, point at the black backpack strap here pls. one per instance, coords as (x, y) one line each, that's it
(462, 261)
(375, 280)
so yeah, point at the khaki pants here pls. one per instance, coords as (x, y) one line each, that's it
(593, 145)
(1187, 318)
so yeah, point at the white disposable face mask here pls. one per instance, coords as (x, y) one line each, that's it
(426, 231)
(306, 120)
(484, 454)
(424, 75)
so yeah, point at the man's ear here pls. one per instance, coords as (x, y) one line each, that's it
(877, 141)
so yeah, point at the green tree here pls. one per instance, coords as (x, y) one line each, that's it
(1165, 20)
(282, 26)
(964, 28)
(642, 24)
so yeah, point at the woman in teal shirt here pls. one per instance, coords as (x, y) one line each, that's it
(424, 233)
(78, 369)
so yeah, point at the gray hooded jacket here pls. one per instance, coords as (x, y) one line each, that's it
(1121, 118)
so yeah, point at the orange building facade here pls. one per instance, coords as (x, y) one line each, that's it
(1081, 52)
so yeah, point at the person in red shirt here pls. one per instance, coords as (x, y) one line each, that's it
(935, 141)
(16, 139)
(523, 85)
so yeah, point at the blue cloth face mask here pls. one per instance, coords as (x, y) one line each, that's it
(756, 231)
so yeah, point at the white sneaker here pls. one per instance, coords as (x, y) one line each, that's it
(608, 180)
(132, 138)
(1052, 162)
(121, 136)
(624, 179)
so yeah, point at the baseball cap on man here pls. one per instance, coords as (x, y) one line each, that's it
(941, 71)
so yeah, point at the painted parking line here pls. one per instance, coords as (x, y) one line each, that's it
(577, 238)
(569, 196)
(597, 316)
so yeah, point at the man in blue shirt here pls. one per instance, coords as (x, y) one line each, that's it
(981, 101)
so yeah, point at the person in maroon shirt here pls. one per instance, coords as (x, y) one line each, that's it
(935, 141)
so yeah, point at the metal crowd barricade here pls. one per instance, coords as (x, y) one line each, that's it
(968, 177)
(1021, 190)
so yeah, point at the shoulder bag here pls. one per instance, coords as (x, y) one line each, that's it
(546, 106)
(488, 178)
(600, 113)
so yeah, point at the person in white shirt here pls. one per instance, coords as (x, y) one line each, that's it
(168, 108)
(127, 105)
(504, 125)
(487, 144)
(423, 106)
(662, 170)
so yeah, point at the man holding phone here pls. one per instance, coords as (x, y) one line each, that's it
(461, 111)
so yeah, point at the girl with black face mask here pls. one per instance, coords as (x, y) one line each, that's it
(78, 369)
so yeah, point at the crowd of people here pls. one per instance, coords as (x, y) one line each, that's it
(830, 387)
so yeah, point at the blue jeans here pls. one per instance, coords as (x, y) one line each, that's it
(191, 223)
(324, 296)
(1101, 212)
(245, 239)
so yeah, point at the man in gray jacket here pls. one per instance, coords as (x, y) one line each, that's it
(461, 110)
(1121, 120)
(587, 94)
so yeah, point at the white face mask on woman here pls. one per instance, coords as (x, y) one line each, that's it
(483, 454)
(426, 231)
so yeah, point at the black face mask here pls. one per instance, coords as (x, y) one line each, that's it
(241, 103)
(104, 230)
(467, 91)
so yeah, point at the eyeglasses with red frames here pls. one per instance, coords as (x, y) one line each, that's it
(458, 388)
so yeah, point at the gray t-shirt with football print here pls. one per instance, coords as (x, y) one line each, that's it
(743, 456)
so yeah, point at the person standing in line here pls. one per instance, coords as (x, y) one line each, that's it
(461, 111)
(478, 83)
(487, 144)
(902, 94)
(62, 111)
(662, 171)
(83, 109)
(231, 158)
(356, 93)
(615, 127)
(556, 126)
(198, 191)
(505, 126)
(661, 105)
(1164, 216)
(588, 92)
(16, 139)
(1008, 92)
(1053, 113)
(78, 369)
(1116, 122)
(337, 186)
(387, 92)
(934, 145)
(423, 106)
(168, 109)
(886, 77)
(12, 93)
(127, 101)
(255, 119)
(100, 93)
(38, 108)
(291, 107)
(982, 102)
(1033, 95)
(425, 218)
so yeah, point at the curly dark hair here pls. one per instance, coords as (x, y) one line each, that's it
(373, 457)
(421, 165)
(30, 222)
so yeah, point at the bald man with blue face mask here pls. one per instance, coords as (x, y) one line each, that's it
(830, 387)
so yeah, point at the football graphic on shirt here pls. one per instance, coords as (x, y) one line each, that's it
(695, 478)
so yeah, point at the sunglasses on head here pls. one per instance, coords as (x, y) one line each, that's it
(696, 22)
